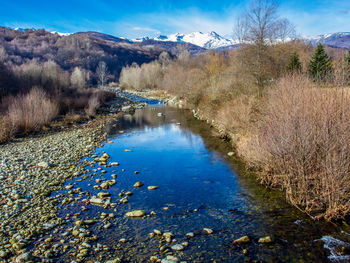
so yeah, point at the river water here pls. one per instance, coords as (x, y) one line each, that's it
(200, 186)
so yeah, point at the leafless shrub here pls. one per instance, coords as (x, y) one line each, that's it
(304, 144)
(93, 105)
(32, 111)
(7, 130)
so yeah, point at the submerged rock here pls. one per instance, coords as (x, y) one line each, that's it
(208, 230)
(152, 187)
(177, 247)
(97, 201)
(244, 239)
(138, 184)
(267, 239)
(136, 213)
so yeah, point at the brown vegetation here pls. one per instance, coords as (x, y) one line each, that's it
(294, 132)
(304, 145)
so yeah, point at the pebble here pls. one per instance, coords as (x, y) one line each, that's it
(135, 213)
(190, 234)
(267, 239)
(138, 184)
(208, 230)
(244, 239)
(153, 187)
(177, 247)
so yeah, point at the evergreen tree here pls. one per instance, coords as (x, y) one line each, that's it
(320, 65)
(294, 64)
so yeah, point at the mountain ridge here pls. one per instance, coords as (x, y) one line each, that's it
(212, 40)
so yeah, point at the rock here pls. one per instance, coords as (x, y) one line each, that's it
(245, 252)
(208, 230)
(111, 215)
(244, 239)
(108, 225)
(44, 165)
(127, 151)
(68, 187)
(185, 244)
(122, 240)
(116, 260)
(114, 164)
(105, 156)
(138, 184)
(172, 258)
(86, 245)
(96, 201)
(105, 185)
(103, 195)
(267, 239)
(152, 187)
(128, 193)
(153, 258)
(168, 235)
(157, 232)
(25, 257)
(177, 247)
(230, 153)
(135, 213)
(190, 234)
(79, 223)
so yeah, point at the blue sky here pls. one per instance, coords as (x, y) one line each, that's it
(130, 18)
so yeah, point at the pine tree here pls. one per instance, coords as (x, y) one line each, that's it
(320, 65)
(294, 64)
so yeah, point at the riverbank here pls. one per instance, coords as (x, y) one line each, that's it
(255, 132)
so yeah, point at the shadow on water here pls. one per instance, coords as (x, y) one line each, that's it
(199, 187)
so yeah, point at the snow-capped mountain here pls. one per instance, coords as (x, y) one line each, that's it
(340, 39)
(213, 40)
(60, 34)
(210, 40)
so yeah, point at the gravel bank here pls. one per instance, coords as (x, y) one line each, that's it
(30, 169)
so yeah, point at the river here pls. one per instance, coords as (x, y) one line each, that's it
(199, 186)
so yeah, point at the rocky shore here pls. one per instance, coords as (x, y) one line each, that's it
(33, 167)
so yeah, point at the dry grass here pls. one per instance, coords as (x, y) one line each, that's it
(304, 143)
(32, 111)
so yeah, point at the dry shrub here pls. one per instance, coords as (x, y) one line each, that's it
(304, 142)
(7, 130)
(235, 115)
(32, 111)
(93, 105)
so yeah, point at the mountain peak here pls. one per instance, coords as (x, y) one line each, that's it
(210, 40)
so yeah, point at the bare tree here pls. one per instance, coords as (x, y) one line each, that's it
(260, 24)
(78, 78)
(102, 73)
(257, 29)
